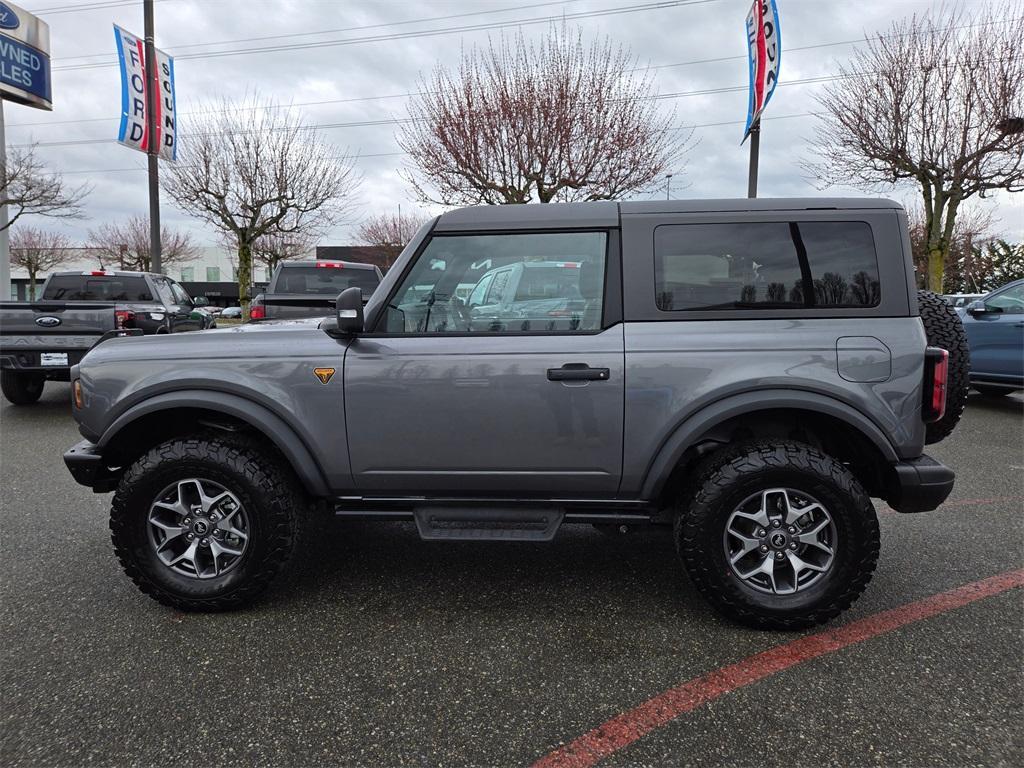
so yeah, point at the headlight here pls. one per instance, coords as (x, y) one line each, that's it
(76, 389)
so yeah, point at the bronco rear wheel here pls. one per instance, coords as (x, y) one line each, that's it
(777, 535)
(205, 524)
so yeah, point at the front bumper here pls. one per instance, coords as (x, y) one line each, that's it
(88, 467)
(920, 485)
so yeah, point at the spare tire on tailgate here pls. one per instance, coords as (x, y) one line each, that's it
(943, 328)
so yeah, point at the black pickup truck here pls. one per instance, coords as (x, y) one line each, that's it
(309, 288)
(41, 340)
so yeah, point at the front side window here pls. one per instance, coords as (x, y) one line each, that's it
(510, 283)
(1010, 301)
(777, 265)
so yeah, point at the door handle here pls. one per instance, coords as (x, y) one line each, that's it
(578, 372)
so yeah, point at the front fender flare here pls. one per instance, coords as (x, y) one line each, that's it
(257, 416)
(713, 414)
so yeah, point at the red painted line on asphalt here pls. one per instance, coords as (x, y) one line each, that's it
(626, 728)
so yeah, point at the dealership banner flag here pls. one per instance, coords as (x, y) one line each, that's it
(134, 130)
(765, 50)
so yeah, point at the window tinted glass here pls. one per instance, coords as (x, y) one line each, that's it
(97, 288)
(332, 280)
(765, 266)
(514, 283)
(1010, 301)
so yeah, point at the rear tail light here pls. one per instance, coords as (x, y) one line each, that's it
(125, 318)
(936, 371)
(257, 312)
(332, 264)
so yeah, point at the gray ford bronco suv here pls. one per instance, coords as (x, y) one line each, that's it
(749, 373)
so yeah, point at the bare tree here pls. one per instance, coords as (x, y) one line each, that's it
(971, 231)
(126, 244)
(389, 232)
(550, 121)
(253, 169)
(27, 188)
(38, 252)
(275, 247)
(937, 101)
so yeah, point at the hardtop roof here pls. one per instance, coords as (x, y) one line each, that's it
(605, 213)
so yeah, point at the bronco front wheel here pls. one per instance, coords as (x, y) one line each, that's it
(204, 524)
(777, 535)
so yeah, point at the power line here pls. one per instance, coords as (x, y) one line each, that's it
(342, 29)
(95, 6)
(397, 121)
(420, 93)
(396, 154)
(662, 4)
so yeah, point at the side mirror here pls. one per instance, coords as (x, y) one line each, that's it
(201, 301)
(977, 308)
(348, 314)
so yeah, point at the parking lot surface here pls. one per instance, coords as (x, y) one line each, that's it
(380, 649)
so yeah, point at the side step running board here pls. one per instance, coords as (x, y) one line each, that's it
(491, 524)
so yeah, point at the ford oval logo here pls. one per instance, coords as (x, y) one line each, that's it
(48, 321)
(8, 18)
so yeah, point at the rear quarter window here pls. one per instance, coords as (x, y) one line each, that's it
(765, 265)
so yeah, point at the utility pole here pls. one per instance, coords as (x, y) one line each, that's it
(5, 243)
(668, 185)
(755, 151)
(153, 149)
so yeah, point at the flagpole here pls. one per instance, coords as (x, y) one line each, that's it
(755, 151)
(152, 86)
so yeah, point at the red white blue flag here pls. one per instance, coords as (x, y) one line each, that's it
(764, 47)
(134, 130)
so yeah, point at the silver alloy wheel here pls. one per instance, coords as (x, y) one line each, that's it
(198, 528)
(780, 541)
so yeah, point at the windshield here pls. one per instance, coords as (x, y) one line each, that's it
(97, 288)
(332, 280)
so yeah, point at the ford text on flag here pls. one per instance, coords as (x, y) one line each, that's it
(134, 130)
(765, 49)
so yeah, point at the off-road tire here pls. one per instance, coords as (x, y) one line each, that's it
(992, 391)
(264, 485)
(943, 329)
(21, 388)
(731, 475)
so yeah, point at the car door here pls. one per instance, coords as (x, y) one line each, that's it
(434, 403)
(996, 335)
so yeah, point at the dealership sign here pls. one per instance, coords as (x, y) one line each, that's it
(24, 58)
(765, 50)
(134, 130)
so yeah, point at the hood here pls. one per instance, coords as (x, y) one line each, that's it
(270, 338)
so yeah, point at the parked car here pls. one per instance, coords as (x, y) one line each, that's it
(231, 312)
(40, 341)
(309, 288)
(957, 300)
(749, 373)
(995, 332)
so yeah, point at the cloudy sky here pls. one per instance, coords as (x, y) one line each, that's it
(354, 62)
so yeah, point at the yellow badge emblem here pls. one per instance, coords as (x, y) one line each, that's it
(324, 374)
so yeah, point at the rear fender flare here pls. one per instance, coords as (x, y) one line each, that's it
(257, 416)
(690, 430)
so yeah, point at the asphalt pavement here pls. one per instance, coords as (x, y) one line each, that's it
(382, 650)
